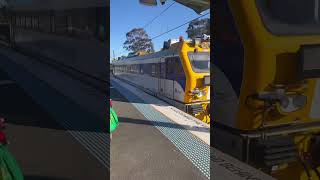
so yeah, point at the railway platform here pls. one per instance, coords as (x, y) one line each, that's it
(147, 145)
(154, 141)
(65, 137)
(43, 147)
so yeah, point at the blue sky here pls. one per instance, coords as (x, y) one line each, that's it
(128, 14)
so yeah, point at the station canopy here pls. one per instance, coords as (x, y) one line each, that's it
(31, 5)
(197, 5)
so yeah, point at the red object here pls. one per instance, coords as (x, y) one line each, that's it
(2, 123)
(3, 138)
(110, 103)
(180, 38)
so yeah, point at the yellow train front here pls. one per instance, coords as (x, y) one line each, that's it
(268, 81)
(178, 74)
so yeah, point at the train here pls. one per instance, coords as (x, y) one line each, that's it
(179, 74)
(67, 33)
(267, 85)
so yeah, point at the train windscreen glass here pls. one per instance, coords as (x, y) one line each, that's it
(290, 17)
(309, 60)
(200, 61)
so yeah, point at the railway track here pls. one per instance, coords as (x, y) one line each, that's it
(86, 78)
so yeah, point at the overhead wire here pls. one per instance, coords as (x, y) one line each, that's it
(178, 26)
(148, 23)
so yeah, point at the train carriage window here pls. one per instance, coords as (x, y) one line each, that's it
(178, 65)
(153, 70)
(135, 69)
(28, 22)
(35, 22)
(53, 24)
(141, 69)
(157, 69)
(18, 21)
(163, 70)
(23, 21)
(174, 67)
(147, 69)
(169, 66)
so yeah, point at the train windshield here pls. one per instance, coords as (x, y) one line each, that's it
(200, 61)
(290, 17)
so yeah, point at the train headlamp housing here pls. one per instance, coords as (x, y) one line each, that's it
(292, 103)
(198, 93)
(204, 45)
(206, 81)
(310, 61)
(285, 103)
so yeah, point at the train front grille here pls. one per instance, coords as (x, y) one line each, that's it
(194, 109)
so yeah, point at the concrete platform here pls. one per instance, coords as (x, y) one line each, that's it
(222, 166)
(139, 151)
(192, 124)
(78, 108)
(43, 148)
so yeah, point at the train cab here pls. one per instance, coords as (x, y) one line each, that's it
(267, 81)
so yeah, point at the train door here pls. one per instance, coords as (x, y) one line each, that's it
(179, 80)
(162, 78)
(169, 81)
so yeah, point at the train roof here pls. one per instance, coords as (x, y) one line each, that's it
(150, 57)
(41, 5)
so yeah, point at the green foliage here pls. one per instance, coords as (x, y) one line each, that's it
(198, 27)
(138, 40)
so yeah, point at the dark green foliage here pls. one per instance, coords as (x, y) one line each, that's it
(198, 27)
(138, 40)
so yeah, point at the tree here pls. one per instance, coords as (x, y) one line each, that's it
(138, 40)
(4, 3)
(4, 10)
(198, 27)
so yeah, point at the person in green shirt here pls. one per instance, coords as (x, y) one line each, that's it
(113, 120)
(9, 168)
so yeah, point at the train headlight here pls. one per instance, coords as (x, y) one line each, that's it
(286, 103)
(206, 81)
(198, 93)
(205, 45)
(292, 103)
